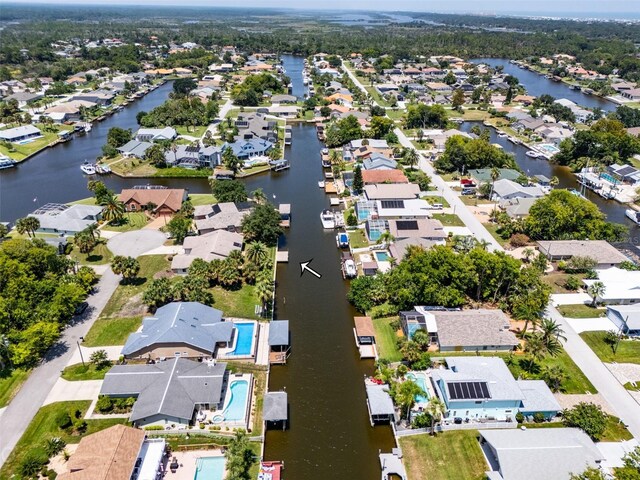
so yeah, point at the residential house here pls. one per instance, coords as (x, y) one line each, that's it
(483, 388)
(402, 209)
(256, 125)
(507, 190)
(220, 216)
(483, 175)
(553, 133)
(383, 176)
(164, 201)
(20, 134)
(379, 162)
(604, 254)
(518, 207)
(538, 454)
(626, 318)
(210, 246)
(24, 99)
(625, 173)
(167, 393)
(621, 287)
(385, 191)
(155, 134)
(580, 113)
(187, 156)
(68, 111)
(116, 453)
(65, 219)
(99, 97)
(631, 94)
(281, 98)
(530, 124)
(135, 148)
(439, 87)
(426, 229)
(399, 248)
(180, 329)
(245, 149)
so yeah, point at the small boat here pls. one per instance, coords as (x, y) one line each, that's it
(532, 154)
(102, 169)
(7, 163)
(342, 240)
(328, 219)
(349, 269)
(321, 184)
(88, 168)
(87, 127)
(512, 139)
(634, 215)
(503, 135)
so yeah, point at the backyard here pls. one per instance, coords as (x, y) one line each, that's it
(20, 152)
(99, 255)
(449, 219)
(628, 351)
(386, 339)
(130, 221)
(580, 310)
(236, 303)
(558, 281)
(357, 238)
(447, 456)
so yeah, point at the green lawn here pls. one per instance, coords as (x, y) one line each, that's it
(376, 96)
(615, 431)
(395, 114)
(447, 456)
(431, 199)
(628, 351)
(473, 200)
(580, 310)
(130, 221)
(20, 152)
(557, 281)
(386, 339)
(201, 199)
(80, 372)
(236, 303)
(358, 238)
(10, 383)
(449, 219)
(191, 131)
(43, 427)
(111, 331)
(85, 201)
(178, 172)
(492, 228)
(98, 256)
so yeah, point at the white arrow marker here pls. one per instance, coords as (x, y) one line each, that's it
(305, 266)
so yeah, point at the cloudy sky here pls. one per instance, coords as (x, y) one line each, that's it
(478, 6)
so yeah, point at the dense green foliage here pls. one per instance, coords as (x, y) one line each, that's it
(189, 111)
(466, 153)
(263, 225)
(228, 191)
(343, 131)
(425, 116)
(587, 416)
(250, 91)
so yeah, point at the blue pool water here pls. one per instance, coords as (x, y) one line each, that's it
(609, 178)
(382, 256)
(244, 331)
(420, 379)
(209, 468)
(549, 148)
(237, 405)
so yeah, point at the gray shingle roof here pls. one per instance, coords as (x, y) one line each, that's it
(189, 323)
(279, 332)
(600, 250)
(380, 401)
(275, 406)
(171, 388)
(469, 328)
(537, 397)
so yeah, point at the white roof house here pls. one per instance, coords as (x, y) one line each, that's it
(64, 219)
(389, 191)
(622, 287)
(538, 454)
(412, 208)
(21, 133)
(155, 134)
(626, 318)
(210, 246)
(506, 189)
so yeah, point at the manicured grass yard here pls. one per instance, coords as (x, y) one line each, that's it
(130, 221)
(80, 372)
(85, 201)
(628, 350)
(10, 383)
(20, 152)
(492, 228)
(557, 281)
(431, 199)
(447, 456)
(43, 426)
(615, 431)
(386, 339)
(201, 199)
(580, 310)
(236, 303)
(191, 131)
(449, 219)
(98, 256)
(357, 238)
(111, 331)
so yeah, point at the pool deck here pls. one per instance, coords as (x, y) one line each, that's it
(227, 353)
(187, 461)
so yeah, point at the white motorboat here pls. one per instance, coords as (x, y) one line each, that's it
(321, 184)
(634, 215)
(87, 127)
(350, 270)
(503, 135)
(532, 154)
(342, 240)
(88, 168)
(328, 219)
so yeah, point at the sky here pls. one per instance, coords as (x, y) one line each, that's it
(540, 7)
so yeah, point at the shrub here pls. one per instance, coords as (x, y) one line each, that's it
(423, 363)
(80, 427)
(422, 420)
(384, 310)
(518, 240)
(562, 265)
(572, 283)
(538, 417)
(104, 404)
(154, 427)
(201, 426)
(54, 445)
(32, 463)
(519, 417)
(63, 420)
(588, 417)
(352, 220)
(51, 474)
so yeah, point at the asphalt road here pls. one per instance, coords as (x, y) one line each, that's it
(24, 406)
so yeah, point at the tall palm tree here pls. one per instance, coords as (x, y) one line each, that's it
(550, 330)
(22, 226)
(92, 231)
(495, 175)
(335, 157)
(385, 237)
(436, 409)
(259, 197)
(113, 209)
(405, 395)
(535, 347)
(595, 290)
(264, 290)
(257, 252)
(411, 157)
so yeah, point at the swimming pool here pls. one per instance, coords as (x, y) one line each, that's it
(547, 147)
(382, 256)
(609, 178)
(237, 405)
(209, 468)
(421, 379)
(244, 342)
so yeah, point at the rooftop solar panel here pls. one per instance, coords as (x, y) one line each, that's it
(407, 225)
(392, 204)
(468, 390)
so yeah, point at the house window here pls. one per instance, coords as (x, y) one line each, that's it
(177, 354)
(132, 206)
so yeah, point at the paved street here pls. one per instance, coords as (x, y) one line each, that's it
(31, 397)
(610, 389)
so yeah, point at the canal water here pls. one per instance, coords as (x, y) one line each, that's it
(537, 85)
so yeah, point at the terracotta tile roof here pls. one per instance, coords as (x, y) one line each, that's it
(162, 197)
(106, 455)
(384, 176)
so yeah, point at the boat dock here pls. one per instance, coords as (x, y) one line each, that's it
(364, 335)
(279, 165)
(282, 257)
(285, 214)
(330, 187)
(391, 465)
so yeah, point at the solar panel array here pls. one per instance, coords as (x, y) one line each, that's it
(468, 390)
(407, 224)
(392, 204)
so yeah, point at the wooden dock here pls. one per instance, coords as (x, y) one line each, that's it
(330, 187)
(282, 257)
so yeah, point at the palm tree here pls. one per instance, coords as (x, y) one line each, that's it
(92, 231)
(335, 157)
(553, 375)
(385, 237)
(405, 395)
(495, 175)
(595, 290)
(527, 254)
(436, 409)
(113, 209)
(535, 347)
(259, 197)
(550, 331)
(257, 253)
(84, 241)
(264, 290)
(411, 157)
(22, 226)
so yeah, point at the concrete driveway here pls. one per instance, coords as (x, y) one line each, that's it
(64, 391)
(134, 244)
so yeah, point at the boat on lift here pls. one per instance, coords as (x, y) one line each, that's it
(88, 168)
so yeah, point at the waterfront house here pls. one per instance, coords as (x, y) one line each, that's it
(159, 201)
(399, 248)
(210, 246)
(220, 216)
(65, 219)
(426, 229)
(483, 388)
(626, 318)
(625, 173)
(98, 97)
(508, 189)
(621, 287)
(387, 191)
(518, 207)
(383, 176)
(483, 175)
(167, 393)
(155, 134)
(68, 111)
(245, 149)
(256, 125)
(529, 124)
(135, 148)
(283, 98)
(188, 156)
(538, 454)
(605, 254)
(116, 453)
(631, 94)
(402, 209)
(20, 134)
(180, 329)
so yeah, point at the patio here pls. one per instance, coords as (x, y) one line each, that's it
(187, 461)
